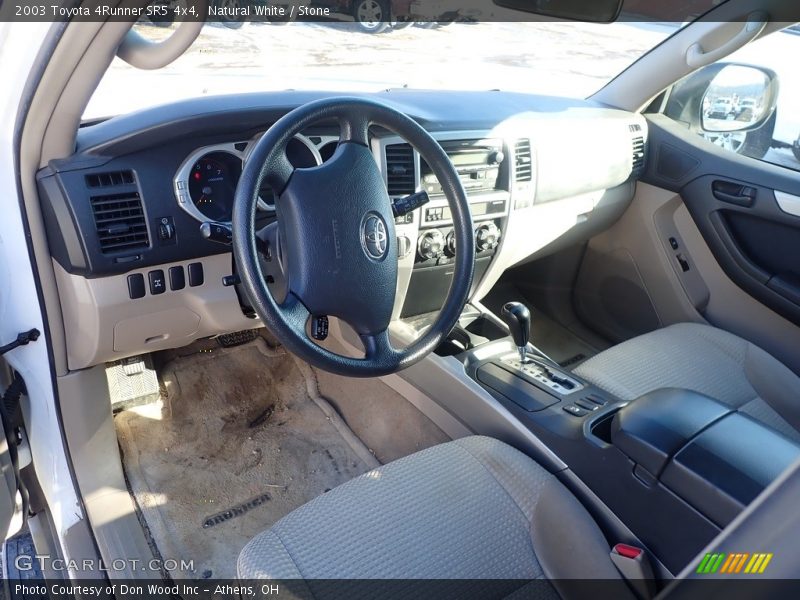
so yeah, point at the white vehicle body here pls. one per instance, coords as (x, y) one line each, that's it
(19, 304)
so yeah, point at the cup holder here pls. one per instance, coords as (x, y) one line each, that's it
(601, 427)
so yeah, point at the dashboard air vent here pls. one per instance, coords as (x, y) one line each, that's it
(109, 179)
(400, 170)
(638, 154)
(120, 222)
(522, 160)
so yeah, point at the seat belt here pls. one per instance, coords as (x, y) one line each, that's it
(633, 564)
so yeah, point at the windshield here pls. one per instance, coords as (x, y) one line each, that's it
(564, 59)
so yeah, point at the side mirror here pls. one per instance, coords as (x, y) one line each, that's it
(737, 98)
(724, 97)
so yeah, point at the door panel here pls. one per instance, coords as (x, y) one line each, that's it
(757, 245)
(698, 257)
(732, 200)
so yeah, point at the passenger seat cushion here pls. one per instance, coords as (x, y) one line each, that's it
(703, 359)
(467, 509)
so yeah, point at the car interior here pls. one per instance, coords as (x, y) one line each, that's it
(417, 334)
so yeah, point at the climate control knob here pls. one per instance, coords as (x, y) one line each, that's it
(431, 244)
(450, 244)
(487, 236)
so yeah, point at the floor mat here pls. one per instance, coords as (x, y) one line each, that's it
(241, 438)
(389, 424)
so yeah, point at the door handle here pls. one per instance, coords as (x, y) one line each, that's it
(734, 193)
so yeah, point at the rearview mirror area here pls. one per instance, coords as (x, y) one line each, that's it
(590, 11)
(737, 99)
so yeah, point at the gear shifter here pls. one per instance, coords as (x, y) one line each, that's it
(518, 318)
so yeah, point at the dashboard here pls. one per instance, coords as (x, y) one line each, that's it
(123, 214)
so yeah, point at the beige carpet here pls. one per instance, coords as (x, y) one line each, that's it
(385, 421)
(241, 438)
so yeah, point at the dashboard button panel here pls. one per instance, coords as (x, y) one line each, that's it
(195, 274)
(157, 283)
(136, 286)
(177, 279)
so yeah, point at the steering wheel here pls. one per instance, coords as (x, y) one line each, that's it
(337, 243)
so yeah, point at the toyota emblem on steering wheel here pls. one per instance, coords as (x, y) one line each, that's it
(374, 239)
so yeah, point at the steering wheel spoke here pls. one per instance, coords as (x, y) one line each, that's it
(378, 346)
(279, 173)
(354, 127)
(295, 313)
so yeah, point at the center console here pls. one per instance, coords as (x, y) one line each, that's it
(712, 457)
(675, 466)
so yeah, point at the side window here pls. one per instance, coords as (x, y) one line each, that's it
(749, 103)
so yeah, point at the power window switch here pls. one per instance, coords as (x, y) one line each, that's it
(136, 286)
(575, 411)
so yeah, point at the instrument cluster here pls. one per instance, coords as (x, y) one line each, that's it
(205, 184)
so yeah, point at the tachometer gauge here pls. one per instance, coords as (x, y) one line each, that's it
(212, 184)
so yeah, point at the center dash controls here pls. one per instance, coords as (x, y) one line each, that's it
(431, 244)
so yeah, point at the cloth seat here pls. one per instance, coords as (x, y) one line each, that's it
(473, 508)
(703, 359)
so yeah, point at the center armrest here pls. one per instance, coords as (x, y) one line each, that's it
(654, 427)
(712, 457)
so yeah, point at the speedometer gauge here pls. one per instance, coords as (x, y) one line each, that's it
(212, 184)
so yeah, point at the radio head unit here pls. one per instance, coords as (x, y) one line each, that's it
(441, 214)
(477, 162)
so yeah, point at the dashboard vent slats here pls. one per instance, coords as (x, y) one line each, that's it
(400, 178)
(109, 179)
(120, 222)
(522, 160)
(638, 154)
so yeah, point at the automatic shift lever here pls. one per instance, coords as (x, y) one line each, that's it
(518, 318)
